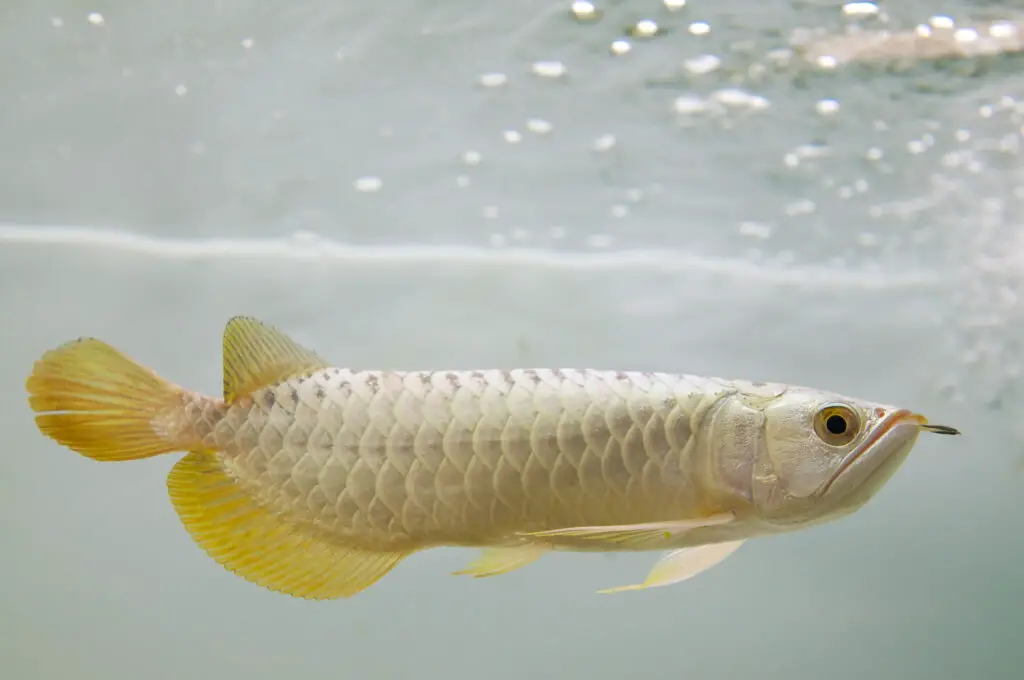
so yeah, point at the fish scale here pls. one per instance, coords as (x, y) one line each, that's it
(468, 456)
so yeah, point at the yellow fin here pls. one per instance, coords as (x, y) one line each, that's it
(682, 564)
(96, 401)
(257, 355)
(635, 536)
(262, 547)
(497, 561)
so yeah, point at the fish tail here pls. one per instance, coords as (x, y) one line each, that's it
(101, 404)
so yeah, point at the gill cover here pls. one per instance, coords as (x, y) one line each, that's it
(801, 453)
(809, 437)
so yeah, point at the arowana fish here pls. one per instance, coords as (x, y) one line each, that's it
(316, 481)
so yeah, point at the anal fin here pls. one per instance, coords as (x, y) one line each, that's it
(501, 560)
(650, 535)
(261, 547)
(682, 564)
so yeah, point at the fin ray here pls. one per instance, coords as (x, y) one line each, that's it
(635, 536)
(261, 547)
(501, 560)
(257, 355)
(91, 398)
(682, 564)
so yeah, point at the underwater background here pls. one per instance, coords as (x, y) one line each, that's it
(409, 184)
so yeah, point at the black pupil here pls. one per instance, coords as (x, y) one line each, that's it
(836, 424)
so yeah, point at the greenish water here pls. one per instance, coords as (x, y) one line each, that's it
(352, 173)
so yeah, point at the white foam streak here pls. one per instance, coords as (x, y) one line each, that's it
(309, 248)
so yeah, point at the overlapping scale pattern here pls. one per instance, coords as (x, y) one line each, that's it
(469, 456)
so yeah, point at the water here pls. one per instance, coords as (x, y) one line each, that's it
(466, 184)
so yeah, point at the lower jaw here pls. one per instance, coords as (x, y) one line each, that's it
(871, 484)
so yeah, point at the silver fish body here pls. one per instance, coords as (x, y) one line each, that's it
(473, 457)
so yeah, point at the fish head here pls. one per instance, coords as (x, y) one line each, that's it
(823, 455)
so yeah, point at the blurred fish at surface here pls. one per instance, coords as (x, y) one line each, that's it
(938, 38)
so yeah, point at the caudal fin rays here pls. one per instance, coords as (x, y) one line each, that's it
(98, 402)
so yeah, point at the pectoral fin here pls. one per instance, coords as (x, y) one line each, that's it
(496, 561)
(680, 565)
(634, 536)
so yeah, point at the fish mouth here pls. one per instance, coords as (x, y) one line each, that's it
(876, 442)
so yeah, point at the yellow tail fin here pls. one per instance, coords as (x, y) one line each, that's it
(98, 402)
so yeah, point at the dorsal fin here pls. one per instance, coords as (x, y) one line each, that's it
(257, 355)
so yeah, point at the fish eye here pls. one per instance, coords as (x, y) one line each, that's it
(836, 425)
